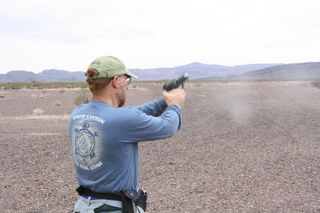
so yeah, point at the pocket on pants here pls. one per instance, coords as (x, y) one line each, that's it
(105, 208)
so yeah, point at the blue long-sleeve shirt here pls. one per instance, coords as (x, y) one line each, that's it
(104, 141)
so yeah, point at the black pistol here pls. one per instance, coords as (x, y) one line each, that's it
(176, 82)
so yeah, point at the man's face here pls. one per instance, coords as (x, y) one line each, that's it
(124, 81)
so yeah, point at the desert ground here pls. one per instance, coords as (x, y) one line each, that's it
(243, 147)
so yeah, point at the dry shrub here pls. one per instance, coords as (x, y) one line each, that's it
(38, 111)
(316, 83)
(83, 96)
(57, 103)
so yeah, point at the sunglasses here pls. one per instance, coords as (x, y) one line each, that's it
(128, 80)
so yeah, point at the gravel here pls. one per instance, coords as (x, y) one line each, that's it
(243, 147)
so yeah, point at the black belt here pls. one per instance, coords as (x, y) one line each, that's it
(88, 192)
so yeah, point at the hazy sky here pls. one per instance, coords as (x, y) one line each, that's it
(69, 34)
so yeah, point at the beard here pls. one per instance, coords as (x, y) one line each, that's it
(121, 97)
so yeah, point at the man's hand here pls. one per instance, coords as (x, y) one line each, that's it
(175, 96)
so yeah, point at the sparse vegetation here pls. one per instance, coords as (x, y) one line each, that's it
(44, 86)
(316, 83)
(38, 111)
(57, 103)
(83, 96)
(41, 85)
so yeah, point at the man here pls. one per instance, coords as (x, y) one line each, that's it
(104, 138)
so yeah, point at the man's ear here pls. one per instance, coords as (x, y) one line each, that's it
(115, 81)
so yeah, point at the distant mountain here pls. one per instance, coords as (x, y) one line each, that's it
(195, 70)
(19, 76)
(287, 71)
(51, 75)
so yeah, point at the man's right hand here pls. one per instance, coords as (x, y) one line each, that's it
(175, 96)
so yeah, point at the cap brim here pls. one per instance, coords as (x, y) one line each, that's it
(131, 74)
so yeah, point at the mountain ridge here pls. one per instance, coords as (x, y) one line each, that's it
(196, 70)
(286, 71)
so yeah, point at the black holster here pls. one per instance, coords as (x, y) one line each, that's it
(138, 197)
(127, 203)
(142, 200)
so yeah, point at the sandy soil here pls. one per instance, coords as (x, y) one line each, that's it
(243, 147)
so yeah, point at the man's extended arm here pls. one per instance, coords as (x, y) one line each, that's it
(156, 108)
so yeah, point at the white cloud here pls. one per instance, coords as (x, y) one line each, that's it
(144, 34)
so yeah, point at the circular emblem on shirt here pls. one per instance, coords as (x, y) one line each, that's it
(85, 142)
